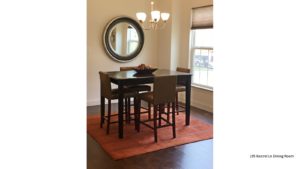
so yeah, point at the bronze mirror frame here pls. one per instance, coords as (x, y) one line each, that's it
(106, 38)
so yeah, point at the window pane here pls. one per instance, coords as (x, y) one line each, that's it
(132, 46)
(203, 37)
(132, 35)
(203, 66)
(202, 57)
(210, 77)
(132, 40)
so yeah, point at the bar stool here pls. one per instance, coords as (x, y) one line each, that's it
(164, 92)
(180, 88)
(139, 89)
(110, 94)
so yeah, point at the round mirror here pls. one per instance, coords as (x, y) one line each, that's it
(123, 39)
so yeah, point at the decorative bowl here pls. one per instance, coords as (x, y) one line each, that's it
(145, 71)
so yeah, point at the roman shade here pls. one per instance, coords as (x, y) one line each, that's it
(202, 17)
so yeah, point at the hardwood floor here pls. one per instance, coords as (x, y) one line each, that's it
(198, 155)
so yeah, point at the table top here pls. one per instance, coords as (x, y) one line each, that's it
(131, 74)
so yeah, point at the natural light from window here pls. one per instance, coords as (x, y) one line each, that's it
(132, 40)
(202, 57)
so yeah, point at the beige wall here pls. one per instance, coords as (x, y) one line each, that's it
(178, 34)
(166, 48)
(99, 13)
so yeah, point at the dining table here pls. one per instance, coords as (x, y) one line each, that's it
(130, 77)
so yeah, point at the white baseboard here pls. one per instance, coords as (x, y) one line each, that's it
(197, 104)
(202, 106)
(93, 102)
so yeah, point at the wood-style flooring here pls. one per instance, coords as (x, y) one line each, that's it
(198, 155)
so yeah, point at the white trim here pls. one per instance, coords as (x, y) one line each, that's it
(93, 102)
(202, 106)
(203, 87)
(197, 104)
(191, 58)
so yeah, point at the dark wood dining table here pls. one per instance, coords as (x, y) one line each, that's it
(122, 78)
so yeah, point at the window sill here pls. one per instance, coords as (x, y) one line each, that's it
(203, 87)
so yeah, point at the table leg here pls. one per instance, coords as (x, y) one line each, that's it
(187, 100)
(137, 112)
(102, 110)
(120, 113)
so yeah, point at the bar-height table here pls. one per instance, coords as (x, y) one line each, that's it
(122, 78)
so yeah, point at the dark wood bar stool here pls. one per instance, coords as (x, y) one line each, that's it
(139, 89)
(180, 88)
(164, 92)
(110, 94)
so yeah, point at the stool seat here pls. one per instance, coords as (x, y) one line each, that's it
(127, 93)
(138, 88)
(148, 97)
(180, 88)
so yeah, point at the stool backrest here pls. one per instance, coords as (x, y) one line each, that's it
(181, 69)
(164, 90)
(127, 68)
(105, 85)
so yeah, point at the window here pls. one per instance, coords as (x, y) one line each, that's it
(202, 47)
(132, 40)
(202, 57)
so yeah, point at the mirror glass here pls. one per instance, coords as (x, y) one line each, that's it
(123, 39)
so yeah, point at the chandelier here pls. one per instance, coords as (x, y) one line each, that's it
(153, 23)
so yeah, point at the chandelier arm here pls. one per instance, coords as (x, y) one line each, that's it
(146, 26)
(160, 26)
(153, 25)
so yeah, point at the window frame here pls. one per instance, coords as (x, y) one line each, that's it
(193, 47)
(129, 40)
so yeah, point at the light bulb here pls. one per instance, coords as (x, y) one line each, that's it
(165, 16)
(141, 16)
(155, 16)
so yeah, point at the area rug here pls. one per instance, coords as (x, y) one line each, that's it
(137, 143)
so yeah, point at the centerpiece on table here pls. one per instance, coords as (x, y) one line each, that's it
(143, 69)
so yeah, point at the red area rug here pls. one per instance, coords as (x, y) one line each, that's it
(136, 143)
